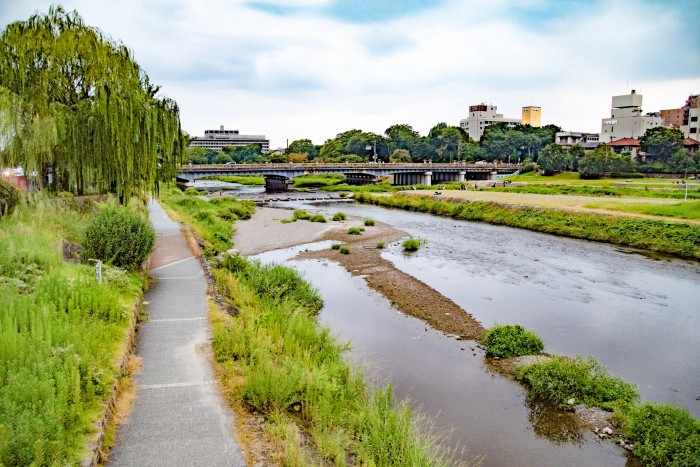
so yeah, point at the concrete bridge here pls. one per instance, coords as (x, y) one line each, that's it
(279, 176)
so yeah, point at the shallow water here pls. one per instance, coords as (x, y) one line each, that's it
(639, 316)
(483, 415)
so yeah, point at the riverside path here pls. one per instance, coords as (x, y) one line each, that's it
(179, 417)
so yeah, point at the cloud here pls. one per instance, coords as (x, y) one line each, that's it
(314, 68)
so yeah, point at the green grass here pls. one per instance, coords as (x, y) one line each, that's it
(663, 435)
(686, 210)
(649, 191)
(412, 244)
(61, 333)
(673, 238)
(381, 245)
(240, 179)
(356, 230)
(585, 380)
(336, 246)
(369, 222)
(212, 220)
(317, 218)
(505, 341)
(344, 250)
(281, 362)
(313, 181)
(572, 178)
(339, 216)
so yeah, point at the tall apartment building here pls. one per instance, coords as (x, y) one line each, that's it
(481, 116)
(673, 118)
(626, 119)
(691, 117)
(532, 115)
(216, 140)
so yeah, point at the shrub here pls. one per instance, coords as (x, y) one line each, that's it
(339, 216)
(317, 218)
(9, 198)
(586, 380)
(527, 168)
(117, 236)
(345, 250)
(369, 222)
(512, 341)
(300, 214)
(355, 230)
(336, 246)
(664, 435)
(380, 245)
(191, 191)
(412, 244)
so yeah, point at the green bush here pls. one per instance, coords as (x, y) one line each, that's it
(345, 250)
(118, 236)
(369, 222)
(317, 218)
(191, 191)
(380, 245)
(527, 168)
(336, 246)
(339, 216)
(300, 214)
(507, 341)
(664, 435)
(355, 230)
(412, 244)
(585, 380)
(9, 198)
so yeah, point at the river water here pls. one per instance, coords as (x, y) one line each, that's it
(639, 316)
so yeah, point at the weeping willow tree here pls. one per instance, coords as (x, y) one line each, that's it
(76, 109)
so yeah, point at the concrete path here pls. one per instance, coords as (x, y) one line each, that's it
(179, 418)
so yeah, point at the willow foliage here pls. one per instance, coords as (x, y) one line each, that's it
(74, 103)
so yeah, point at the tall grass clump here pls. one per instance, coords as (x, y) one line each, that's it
(317, 218)
(663, 435)
(412, 244)
(212, 221)
(369, 222)
(119, 236)
(281, 362)
(674, 238)
(61, 333)
(505, 341)
(339, 216)
(355, 231)
(585, 380)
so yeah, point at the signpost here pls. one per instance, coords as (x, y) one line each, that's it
(98, 271)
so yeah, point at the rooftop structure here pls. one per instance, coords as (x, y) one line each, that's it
(216, 140)
(626, 119)
(481, 116)
(566, 139)
(532, 115)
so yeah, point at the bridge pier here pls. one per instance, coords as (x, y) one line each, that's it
(412, 178)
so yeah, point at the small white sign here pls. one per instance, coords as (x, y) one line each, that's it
(98, 271)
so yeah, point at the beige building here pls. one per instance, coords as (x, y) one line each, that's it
(626, 119)
(691, 117)
(532, 115)
(216, 140)
(481, 116)
(673, 118)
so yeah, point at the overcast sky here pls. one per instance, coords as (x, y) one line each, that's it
(292, 69)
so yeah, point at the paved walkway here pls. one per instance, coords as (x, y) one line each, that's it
(179, 418)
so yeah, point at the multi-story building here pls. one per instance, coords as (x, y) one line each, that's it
(673, 118)
(532, 115)
(481, 116)
(691, 117)
(626, 119)
(566, 139)
(216, 140)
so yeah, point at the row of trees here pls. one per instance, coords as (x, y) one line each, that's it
(76, 109)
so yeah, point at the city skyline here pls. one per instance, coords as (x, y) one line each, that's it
(313, 68)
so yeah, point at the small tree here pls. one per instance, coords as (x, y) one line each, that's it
(553, 158)
(400, 155)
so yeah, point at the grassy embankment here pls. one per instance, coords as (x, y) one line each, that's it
(592, 190)
(659, 434)
(572, 178)
(673, 238)
(686, 210)
(240, 179)
(275, 358)
(62, 334)
(212, 221)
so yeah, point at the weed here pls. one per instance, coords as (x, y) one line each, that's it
(507, 341)
(317, 218)
(339, 216)
(369, 222)
(336, 246)
(345, 250)
(355, 230)
(380, 245)
(412, 244)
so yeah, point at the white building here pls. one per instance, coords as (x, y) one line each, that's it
(566, 139)
(691, 117)
(216, 140)
(481, 116)
(626, 119)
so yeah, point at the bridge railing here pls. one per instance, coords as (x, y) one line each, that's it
(311, 166)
